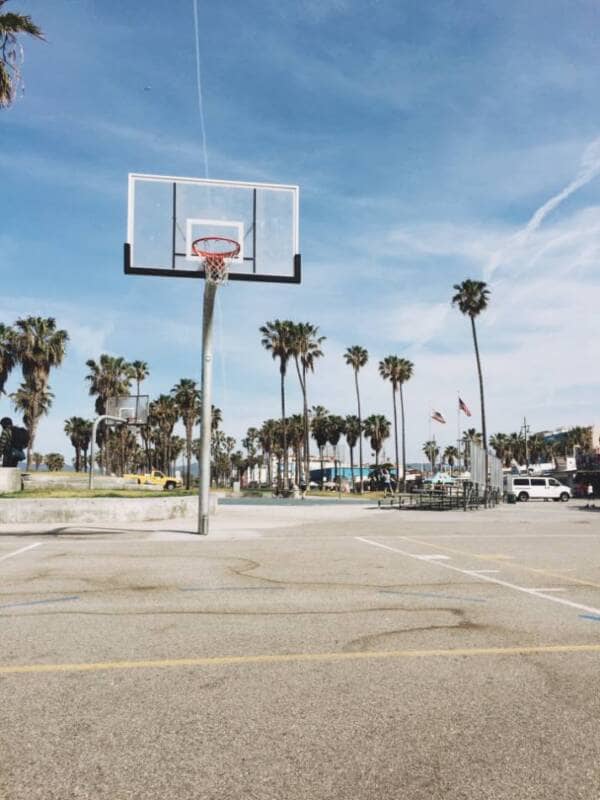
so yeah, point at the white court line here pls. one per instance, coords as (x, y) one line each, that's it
(22, 550)
(475, 574)
(428, 557)
(486, 571)
(552, 589)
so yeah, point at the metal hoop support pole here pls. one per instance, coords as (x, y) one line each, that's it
(97, 421)
(210, 290)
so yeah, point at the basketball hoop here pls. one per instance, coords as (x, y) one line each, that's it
(216, 252)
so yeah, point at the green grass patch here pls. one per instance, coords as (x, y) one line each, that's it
(49, 493)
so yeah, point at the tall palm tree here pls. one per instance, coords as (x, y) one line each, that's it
(353, 433)
(12, 25)
(356, 357)
(277, 337)
(7, 354)
(472, 298)
(398, 371)
(139, 373)
(377, 430)
(187, 397)
(39, 346)
(432, 451)
(306, 348)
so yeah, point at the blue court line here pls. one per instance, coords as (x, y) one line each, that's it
(235, 589)
(40, 602)
(436, 595)
(593, 617)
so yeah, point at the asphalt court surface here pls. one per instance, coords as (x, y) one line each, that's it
(318, 652)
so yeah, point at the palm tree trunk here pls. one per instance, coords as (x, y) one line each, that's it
(189, 435)
(306, 432)
(402, 420)
(360, 444)
(284, 430)
(479, 373)
(321, 456)
(396, 436)
(353, 486)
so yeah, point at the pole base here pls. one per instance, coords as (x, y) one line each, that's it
(203, 525)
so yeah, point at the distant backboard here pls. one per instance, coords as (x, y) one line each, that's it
(132, 409)
(167, 214)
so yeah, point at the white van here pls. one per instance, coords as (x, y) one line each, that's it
(537, 489)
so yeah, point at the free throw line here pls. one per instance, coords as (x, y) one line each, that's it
(482, 577)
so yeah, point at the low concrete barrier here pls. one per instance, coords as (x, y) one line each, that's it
(100, 509)
(10, 479)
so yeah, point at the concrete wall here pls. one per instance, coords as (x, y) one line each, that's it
(10, 479)
(100, 509)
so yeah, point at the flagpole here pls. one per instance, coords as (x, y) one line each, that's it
(458, 426)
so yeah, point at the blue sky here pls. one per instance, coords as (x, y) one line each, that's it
(424, 138)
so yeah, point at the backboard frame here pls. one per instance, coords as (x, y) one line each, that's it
(139, 404)
(295, 276)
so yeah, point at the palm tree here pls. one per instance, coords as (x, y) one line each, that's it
(470, 435)
(306, 348)
(451, 456)
(32, 404)
(163, 415)
(397, 371)
(336, 426)
(266, 438)
(356, 356)
(377, 429)
(295, 432)
(54, 461)
(353, 433)
(499, 441)
(216, 418)
(38, 460)
(139, 373)
(11, 26)
(472, 298)
(76, 429)
(7, 354)
(320, 430)
(109, 377)
(187, 397)
(277, 337)
(38, 347)
(432, 451)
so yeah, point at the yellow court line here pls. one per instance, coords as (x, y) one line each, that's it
(501, 559)
(287, 658)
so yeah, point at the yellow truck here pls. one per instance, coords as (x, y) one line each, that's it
(156, 478)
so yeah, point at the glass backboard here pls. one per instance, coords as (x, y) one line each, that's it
(166, 215)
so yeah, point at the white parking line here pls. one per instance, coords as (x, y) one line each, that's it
(478, 574)
(22, 550)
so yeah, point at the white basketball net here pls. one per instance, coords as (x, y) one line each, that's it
(216, 269)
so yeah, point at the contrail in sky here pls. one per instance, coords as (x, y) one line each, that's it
(589, 168)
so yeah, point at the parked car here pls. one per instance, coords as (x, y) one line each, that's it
(531, 488)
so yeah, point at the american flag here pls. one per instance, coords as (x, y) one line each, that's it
(438, 417)
(462, 406)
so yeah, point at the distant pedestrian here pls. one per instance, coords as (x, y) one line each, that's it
(387, 481)
(590, 492)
